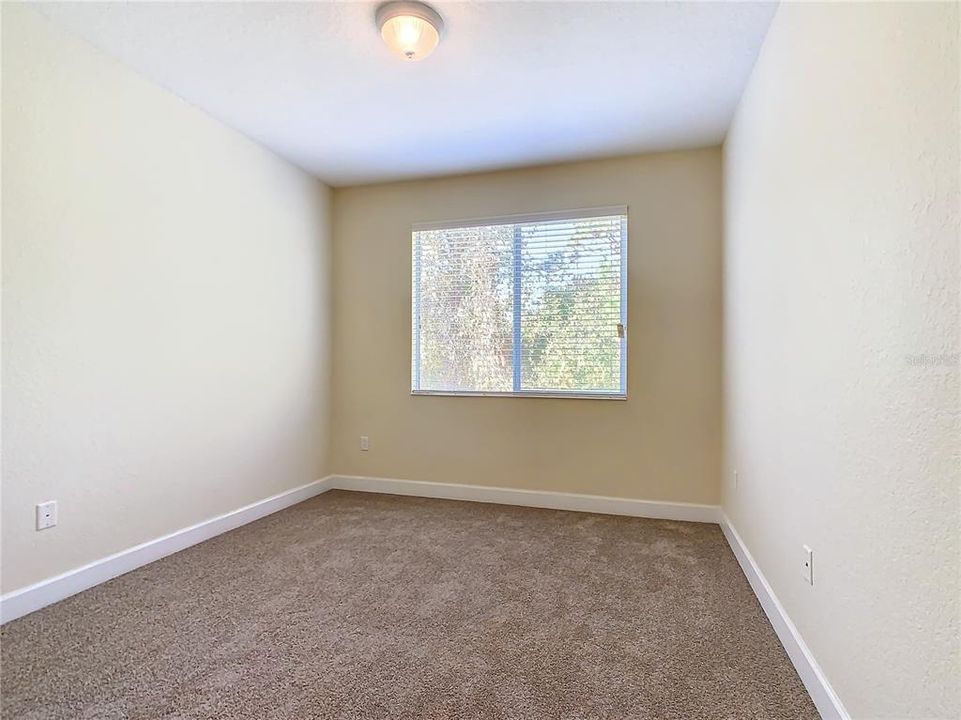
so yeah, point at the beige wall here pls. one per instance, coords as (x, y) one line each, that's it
(842, 334)
(165, 330)
(663, 443)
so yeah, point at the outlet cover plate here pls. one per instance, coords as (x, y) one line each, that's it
(46, 514)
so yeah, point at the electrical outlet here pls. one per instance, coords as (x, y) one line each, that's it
(46, 514)
(364, 443)
(808, 564)
(735, 479)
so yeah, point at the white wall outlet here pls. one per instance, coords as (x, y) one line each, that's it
(46, 514)
(808, 564)
(735, 479)
(364, 443)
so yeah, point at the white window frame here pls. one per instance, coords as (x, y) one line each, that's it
(519, 219)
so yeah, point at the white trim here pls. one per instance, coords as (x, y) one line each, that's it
(554, 394)
(825, 699)
(689, 512)
(577, 214)
(46, 592)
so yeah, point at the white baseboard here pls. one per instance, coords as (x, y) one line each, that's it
(825, 699)
(689, 512)
(46, 592)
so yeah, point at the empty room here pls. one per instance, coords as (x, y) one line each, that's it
(481, 360)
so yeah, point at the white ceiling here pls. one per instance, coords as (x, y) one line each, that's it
(511, 84)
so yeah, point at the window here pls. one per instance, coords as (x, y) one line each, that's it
(523, 305)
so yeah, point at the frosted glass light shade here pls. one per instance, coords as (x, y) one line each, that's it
(410, 29)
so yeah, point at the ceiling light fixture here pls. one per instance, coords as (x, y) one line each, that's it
(410, 29)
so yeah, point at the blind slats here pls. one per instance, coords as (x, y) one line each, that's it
(519, 305)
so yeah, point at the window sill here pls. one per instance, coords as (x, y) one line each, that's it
(527, 394)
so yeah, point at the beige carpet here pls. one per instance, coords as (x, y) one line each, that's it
(371, 606)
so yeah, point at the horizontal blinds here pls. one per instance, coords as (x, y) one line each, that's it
(522, 304)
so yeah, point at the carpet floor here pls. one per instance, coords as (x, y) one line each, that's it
(354, 605)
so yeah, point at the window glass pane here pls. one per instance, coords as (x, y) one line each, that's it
(571, 306)
(465, 305)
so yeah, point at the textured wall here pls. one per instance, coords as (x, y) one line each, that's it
(841, 337)
(165, 329)
(663, 443)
